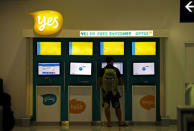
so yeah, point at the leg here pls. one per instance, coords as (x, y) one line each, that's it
(106, 103)
(107, 113)
(116, 105)
(119, 115)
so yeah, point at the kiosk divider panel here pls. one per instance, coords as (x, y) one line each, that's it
(48, 105)
(80, 103)
(144, 103)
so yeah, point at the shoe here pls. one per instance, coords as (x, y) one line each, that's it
(109, 124)
(123, 124)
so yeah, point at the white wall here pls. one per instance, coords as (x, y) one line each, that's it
(90, 14)
(175, 65)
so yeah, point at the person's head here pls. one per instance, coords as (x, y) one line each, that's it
(1, 85)
(109, 60)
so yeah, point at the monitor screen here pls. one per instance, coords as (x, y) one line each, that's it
(144, 68)
(80, 68)
(48, 48)
(118, 65)
(48, 68)
(143, 48)
(111, 48)
(80, 48)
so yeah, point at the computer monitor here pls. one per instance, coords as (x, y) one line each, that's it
(80, 68)
(48, 69)
(144, 68)
(118, 65)
(80, 48)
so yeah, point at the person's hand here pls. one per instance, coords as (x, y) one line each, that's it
(121, 81)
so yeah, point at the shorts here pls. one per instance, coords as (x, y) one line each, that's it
(109, 97)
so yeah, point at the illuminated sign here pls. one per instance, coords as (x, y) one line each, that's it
(111, 48)
(186, 10)
(47, 22)
(48, 48)
(80, 48)
(143, 48)
(137, 33)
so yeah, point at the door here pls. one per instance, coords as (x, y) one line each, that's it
(189, 74)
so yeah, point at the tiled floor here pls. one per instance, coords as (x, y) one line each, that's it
(97, 128)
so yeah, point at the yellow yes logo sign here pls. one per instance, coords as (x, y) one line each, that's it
(47, 22)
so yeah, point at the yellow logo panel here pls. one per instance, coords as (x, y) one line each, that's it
(47, 22)
(48, 48)
(143, 48)
(80, 48)
(111, 48)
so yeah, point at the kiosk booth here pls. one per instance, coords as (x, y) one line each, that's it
(65, 72)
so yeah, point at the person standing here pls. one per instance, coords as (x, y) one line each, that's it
(5, 102)
(108, 81)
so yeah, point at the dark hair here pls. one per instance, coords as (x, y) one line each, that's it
(1, 85)
(109, 59)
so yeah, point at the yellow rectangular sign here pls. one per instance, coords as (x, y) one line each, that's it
(80, 48)
(143, 48)
(111, 48)
(48, 48)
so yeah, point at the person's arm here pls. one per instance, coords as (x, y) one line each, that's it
(119, 77)
(99, 82)
(121, 80)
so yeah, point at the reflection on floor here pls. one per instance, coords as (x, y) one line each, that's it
(97, 128)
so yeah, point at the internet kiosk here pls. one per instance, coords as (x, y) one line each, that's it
(81, 78)
(145, 81)
(115, 49)
(48, 80)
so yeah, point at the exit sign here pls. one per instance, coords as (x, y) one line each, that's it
(186, 10)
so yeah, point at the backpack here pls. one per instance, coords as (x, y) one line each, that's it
(109, 80)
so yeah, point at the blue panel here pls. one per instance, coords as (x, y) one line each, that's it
(70, 48)
(48, 64)
(38, 48)
(101, 48)
(133, 48)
